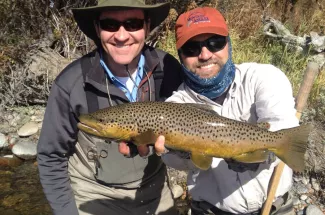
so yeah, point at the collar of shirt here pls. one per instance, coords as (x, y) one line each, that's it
(132, 96)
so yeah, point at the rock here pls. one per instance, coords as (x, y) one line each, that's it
(3, 141)
(309, 187)
(40, 124)
(301, 189)
(13, 140)
(313, 210)
(295, 201)
(303, 197)
(177, 191)
(315, 184)
(309, 201)
(305, 181)
(28, 129)
(15, 119)
(9, 117)
(189, 212)
(297, 178)
(25, 150)
(300, 213)
(8, 156)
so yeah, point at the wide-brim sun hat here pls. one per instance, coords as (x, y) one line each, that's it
(85, 17)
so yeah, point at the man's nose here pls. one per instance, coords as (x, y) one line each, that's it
(121, 34)
(205, 54)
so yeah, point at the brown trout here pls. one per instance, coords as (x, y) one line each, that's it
(197, 129)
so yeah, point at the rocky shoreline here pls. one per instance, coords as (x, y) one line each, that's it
(19, 133)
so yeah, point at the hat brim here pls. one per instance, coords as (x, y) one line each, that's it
(85, 17)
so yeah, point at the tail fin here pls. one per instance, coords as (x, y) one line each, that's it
(293, 149)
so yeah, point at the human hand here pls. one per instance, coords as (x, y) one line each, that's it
(161, 149)
(130, 150)
(160, 146)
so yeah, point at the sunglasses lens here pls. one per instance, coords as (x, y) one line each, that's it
(113, 25)
(216, 43)
(191, 49)
(213, 44)
(133, 24)
(110, 25)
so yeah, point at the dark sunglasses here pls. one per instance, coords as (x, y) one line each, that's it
(113, 25)
(213, 44)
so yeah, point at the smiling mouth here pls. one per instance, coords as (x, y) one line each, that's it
(207, 66)
(122, 46)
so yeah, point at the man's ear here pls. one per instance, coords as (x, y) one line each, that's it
(96, 28)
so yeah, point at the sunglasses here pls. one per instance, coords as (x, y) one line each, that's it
(213, 44)
(113, 25)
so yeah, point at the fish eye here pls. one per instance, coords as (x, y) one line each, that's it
(101, 120)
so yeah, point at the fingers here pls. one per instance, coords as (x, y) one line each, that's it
(160, 145)
(143, 150)
(124, 149)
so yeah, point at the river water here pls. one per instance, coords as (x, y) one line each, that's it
(21, 192)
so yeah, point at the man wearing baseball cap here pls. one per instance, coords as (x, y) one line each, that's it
(247, 92)
(81, 174)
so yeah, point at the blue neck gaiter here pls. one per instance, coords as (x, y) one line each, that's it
(215, 86)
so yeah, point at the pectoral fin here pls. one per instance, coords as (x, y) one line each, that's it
(147, 137)
(201, 161)
(253, 157)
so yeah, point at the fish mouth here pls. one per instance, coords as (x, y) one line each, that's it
(88, 129)
(89, 125)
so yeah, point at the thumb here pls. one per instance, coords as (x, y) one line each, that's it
(160, 145)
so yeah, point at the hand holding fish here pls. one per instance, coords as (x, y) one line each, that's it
(160, 145)
(126, 150)
(143, 150)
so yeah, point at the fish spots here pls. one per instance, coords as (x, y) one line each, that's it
(185, 122)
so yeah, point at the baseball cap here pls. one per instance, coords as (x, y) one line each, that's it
(199, 21)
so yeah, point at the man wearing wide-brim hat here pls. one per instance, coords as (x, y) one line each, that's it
(82, 174)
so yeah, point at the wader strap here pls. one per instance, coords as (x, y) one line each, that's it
(91, 97)
(158, 76)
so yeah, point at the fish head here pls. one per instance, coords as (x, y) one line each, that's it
(108, 126)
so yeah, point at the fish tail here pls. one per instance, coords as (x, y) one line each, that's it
(294, 146)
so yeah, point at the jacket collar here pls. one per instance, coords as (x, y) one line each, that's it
(96, 76)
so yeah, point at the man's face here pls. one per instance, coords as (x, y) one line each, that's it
(122, 45)
(207, 64)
